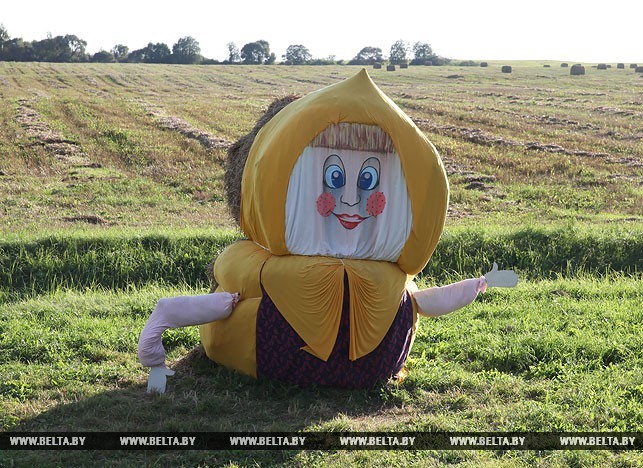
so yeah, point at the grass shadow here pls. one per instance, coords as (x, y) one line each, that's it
(201, 397)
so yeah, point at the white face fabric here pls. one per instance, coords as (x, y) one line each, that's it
(347, 204)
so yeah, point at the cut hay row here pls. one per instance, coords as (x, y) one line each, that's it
(545, 119)
(40, 133)
(567, 123)
(617, 111)
(475, 135)
(177, 124)
(543, 101)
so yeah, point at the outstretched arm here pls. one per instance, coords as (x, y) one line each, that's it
(174, 312)
(443, 300)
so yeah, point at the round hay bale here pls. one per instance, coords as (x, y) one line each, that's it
(506, 69)
(601, 66)
(238, 155)
(377, 66)
(404, 65)
(609, 65)
(564, 65)
(577, 70)
(390, 68)
(484, 64)
(620, 65)
(633, 65)
(546, 66)
(638, 69)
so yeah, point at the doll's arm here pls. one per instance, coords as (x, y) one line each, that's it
(174, 312)
(442, 300)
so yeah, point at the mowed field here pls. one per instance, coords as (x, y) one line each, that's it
(111, 196)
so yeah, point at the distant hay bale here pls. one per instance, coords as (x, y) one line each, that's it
(428, 63)
(620, 65)
(377, 66)
(609, 65)
(390, 68)
(484, 64)
(546, 66)
(564, 65)
(577, 69)
(238, 154)
(601, 66)
(506, 69)
(404, 65)
(638, 69)
(633, 65)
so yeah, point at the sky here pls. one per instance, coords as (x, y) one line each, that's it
(578, 31)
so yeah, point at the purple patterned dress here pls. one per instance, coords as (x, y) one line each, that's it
(280, 357)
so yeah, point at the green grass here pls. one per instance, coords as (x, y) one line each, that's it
(119, 260)
(111, 261)
(550, 355)
(560, 352)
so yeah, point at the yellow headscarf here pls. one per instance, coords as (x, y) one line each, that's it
(281, 141)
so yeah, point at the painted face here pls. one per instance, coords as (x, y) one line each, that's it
(347, 203)
(351, 194)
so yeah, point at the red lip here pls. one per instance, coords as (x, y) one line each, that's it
(349, 221)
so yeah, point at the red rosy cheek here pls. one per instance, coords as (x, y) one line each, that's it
(375, 204)
(325, 204)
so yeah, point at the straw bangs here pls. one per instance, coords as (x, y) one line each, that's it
(354, 136)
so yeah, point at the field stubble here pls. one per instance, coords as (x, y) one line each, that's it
(166, 127)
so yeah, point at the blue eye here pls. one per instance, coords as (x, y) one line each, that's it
(368, 178)
(334, 176)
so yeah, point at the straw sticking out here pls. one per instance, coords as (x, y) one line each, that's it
(353, 136)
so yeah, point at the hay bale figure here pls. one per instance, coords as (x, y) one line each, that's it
(342, 200)
(506, 69)
(577, 70)
(390, 68)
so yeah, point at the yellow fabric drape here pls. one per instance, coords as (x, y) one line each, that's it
(309, 292)
(356, 100)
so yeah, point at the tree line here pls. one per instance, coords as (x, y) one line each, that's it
(186, 50)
